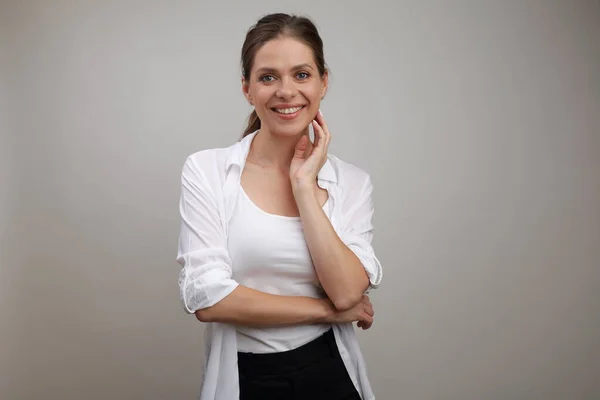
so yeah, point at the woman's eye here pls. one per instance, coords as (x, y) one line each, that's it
(302, 75)
(267, 78)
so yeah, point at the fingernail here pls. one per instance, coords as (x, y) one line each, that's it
(320, 112)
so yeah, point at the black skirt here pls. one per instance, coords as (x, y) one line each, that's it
(314, 371)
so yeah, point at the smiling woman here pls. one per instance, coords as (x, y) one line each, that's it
(275, 240)
(283, 68)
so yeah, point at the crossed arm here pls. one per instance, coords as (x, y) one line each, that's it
(209, 292)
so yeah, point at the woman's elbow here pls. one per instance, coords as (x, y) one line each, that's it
(347, 302)
(204, 315)
(350, 298)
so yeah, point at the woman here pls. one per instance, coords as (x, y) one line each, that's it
(275, 236)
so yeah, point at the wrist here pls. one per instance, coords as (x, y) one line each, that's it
(304, 190)
(327, 312)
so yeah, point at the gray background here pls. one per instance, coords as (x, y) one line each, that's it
(479, 122)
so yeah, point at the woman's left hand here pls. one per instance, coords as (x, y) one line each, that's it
(309, 158)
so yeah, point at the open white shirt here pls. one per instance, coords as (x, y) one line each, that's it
(210, 183)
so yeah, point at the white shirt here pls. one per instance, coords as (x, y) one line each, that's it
(210, 184)
(269, 253)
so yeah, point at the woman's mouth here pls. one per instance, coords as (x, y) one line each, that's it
(287, 113)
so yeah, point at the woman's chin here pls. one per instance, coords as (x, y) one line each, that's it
(291, 130)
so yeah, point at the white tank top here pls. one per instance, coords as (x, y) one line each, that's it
(269, 253)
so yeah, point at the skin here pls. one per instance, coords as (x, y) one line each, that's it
(280, 177)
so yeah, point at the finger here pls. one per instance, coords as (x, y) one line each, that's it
(321, 120)
(320, 137)
(301, 147)
(316, 133)
(365, 325)
(368, 322)
(368, 308)
(322, 133)
(369, 305)
(366, 318)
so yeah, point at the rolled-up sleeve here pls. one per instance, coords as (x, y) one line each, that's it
(206, 274)
(357, 233)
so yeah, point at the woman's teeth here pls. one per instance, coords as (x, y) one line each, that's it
(287, 110)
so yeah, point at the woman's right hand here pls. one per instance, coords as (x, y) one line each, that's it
(362, 312)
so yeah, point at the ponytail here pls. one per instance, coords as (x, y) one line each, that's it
(253, 124)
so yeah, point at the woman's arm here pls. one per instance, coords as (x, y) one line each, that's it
(249, 307)
(343, 275)
(340, 272)
(207, 287)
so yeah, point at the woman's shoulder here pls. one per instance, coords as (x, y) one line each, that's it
(348, 174)
(207, 158)
(206, 169)
(211, 160)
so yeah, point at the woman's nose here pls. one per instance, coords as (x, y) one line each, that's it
(287, 88)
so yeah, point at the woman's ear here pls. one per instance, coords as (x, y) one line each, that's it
(246, 91)
(325, 80)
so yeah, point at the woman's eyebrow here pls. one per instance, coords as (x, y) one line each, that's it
(302, 66)
(274, 70)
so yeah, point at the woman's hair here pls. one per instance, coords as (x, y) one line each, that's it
(275, 26)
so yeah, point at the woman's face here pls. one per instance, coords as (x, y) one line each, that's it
(285, 86)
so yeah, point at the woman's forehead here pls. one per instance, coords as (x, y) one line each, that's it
(283, 54)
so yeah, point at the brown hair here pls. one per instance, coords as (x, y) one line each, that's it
(271, 27)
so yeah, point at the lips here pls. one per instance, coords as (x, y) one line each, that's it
(287, 110)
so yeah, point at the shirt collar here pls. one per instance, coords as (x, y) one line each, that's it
(239, 153)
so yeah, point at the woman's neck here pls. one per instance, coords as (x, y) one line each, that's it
(272, 150)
